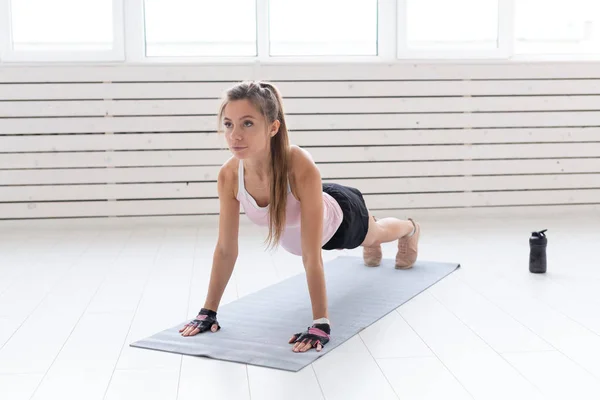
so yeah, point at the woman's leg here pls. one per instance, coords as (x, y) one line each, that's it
(387, 230)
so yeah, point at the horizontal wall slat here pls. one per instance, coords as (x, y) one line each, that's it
(294, 89)
(108, 107)
(108, 208)
(65, 91)
(300, 122)
(454, 152)
(438, 88)
(108, 175)
(157, 141)
(455, 168)
(115, 159)
(366, 186)
(328, 171)
(97, 125)
(374, 202)
(437, 200)
(445, 136)
(433, 121)
(319, 154)
(471, 183)
(425, 70)
(127, 73)
(301, 106)
(302, 71)
(108, 191)
(130, 141)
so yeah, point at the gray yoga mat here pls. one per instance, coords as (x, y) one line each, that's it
(255, 329)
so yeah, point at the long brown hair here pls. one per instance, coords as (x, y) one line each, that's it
(267, 99)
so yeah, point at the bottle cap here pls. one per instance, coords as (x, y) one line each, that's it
(540, 233)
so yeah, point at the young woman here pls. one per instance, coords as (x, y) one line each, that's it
(279, 186)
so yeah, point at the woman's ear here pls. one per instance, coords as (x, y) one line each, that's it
(274, 128)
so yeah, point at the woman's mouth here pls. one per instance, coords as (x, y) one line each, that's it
(238, 148)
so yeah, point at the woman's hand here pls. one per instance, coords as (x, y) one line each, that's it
(206, 319)
(315, 336)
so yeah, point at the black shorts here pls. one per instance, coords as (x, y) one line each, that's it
(355, 225)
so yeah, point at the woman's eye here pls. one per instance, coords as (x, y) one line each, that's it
(248, 123)
(227, 124)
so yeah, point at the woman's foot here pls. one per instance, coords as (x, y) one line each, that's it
(408, 248)
(372, 256)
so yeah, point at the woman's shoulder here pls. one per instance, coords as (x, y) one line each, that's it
(300, 157)
(229, 168)
(228, 175)
(302, 165)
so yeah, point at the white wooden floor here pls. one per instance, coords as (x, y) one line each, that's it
(72, 299)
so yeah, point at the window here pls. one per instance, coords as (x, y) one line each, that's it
(187, 28)
(553, 27)
(452, 25)
(322, 27)
(61, 30)
(61, 25)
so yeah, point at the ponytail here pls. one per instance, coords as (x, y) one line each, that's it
(280, 167)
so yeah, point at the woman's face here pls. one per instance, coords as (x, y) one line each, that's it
(246, 130)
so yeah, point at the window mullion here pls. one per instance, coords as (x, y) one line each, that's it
(401, 28)
(118, 11)
(262, 30)
(386, 30)
(135, 41)
(506, 27)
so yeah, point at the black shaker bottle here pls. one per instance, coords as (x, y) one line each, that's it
(537, 252)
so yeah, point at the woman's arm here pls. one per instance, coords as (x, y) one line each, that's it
(224, 257)
(226, 249)
(310, 194)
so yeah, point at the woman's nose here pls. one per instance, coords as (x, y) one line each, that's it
(236, 133)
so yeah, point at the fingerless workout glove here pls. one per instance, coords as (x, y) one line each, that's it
(314, 334)
(205, 319)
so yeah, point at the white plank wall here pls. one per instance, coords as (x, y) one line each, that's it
(117, 141)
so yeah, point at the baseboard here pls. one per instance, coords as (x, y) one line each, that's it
(211, 221)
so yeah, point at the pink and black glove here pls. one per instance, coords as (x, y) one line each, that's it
(204, 321)
(318, 333)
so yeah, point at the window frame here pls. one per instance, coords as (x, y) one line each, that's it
(129, 43)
